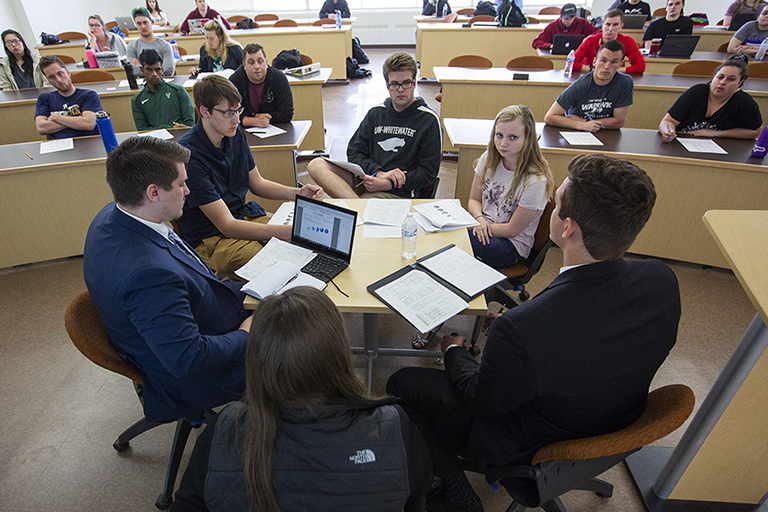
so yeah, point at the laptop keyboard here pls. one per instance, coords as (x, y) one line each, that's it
(321, 267)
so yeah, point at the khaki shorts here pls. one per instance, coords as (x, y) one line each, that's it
(225, 255)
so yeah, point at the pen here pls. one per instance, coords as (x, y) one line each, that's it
(260, 131)
(30, 156)
(292, 279)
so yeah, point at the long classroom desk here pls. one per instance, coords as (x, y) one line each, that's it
(17, 108)
(654, 65)
(687, 184)
(48, 203)
(481, 93)
(438, 43)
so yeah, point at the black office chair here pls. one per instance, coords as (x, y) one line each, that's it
(91, 339)
(574, 465)
(429, 191)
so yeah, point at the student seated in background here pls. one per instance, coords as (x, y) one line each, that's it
(156, 13)
(747, 39)
(597, 100)
(218, 53)
(20, 68)
(329, 8)
(103, 40)
(568, 23)
(217, 220)
(587, 51)
(673, 23)
(398, 144)
(160, 104)
(717, 109)
(439, 8)
(635, 7)
(147, 40)
(313, 424)
(739, 6)
(67, 111)
(266, 93)
(202, 11)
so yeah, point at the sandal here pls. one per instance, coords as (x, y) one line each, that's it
(422, 339)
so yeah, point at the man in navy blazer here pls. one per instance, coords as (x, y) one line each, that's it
(165, 311)
(575, 361)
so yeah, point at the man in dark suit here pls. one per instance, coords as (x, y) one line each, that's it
(165, 311)
(576, 361)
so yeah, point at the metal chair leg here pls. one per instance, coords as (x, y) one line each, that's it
(183, 428)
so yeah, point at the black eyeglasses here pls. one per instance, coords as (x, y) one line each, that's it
(393, 86)
(229, 113)
(12, 42)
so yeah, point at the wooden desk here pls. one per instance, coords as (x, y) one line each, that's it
(17, 108)
(437, 44)
(302, 22)
(75, 49)
(48, 203)
(687, 184)
(720, 459)
(654, 65)
(482, 93)
(373, 259)
(182, 68)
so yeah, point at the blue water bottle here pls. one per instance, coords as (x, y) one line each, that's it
(338, 19)
(175, 50)
(107, 131)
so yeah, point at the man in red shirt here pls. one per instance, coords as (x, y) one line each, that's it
(568, 23)
(612, 25)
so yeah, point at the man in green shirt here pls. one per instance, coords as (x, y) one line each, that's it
(160, 104)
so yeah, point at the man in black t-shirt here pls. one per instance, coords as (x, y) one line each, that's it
(636, 7)
(672, 23)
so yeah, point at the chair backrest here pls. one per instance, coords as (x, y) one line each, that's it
(90, 337)
(668, 408)
(182, 50)
(481, 17)
(66, 59)
(429, 191)
(177, 28)
(266, 17)
(111, 24)
(660, 12)
(470, 61)
(467, 11)
(531, 62)
(723, 47)
(697, 68)
(758, 70)
(124, 31)
(285, 23)
(550, 10)
(237, 17)
(72, 36)
(451, 17)
(532, 20)
(305, 59)
(92, 75)
(323, 21)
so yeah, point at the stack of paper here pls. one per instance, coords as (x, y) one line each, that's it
(443, 215)
(276, 250)
(278, 278)
(383, 218)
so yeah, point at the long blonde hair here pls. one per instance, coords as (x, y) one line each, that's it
(530, 160)
(756, 6)
(224, 42)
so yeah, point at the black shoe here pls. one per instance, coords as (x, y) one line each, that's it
(437, 502)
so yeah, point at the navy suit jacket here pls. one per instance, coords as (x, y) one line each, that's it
(166, 315)
(575, 361)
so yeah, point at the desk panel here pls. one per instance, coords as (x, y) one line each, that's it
(655, 65)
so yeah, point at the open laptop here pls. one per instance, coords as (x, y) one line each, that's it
(125, 22)
(196, 26)
(634, 20)
(326, 229)
(739, 19)
(562, 44)
(678, 46)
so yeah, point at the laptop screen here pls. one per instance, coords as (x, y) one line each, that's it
(324, 227)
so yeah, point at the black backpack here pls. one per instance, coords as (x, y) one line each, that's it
(485, 8)
(355, 71)
(48, 39)
(287, 59)
(245, 24)
(510, 15)
(357, 51)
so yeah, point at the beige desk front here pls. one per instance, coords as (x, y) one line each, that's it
(17, 108)
(74, 49)
(687, 184)
(654, 65)
(47, 203)
(481, 93)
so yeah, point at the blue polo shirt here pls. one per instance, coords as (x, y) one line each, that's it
(215, 174)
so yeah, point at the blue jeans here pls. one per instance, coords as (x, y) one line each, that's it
(497, 253)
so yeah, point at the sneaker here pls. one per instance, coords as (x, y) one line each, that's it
(438, 502)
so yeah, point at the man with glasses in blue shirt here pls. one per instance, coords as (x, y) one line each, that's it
(225, 230)
(398, 144)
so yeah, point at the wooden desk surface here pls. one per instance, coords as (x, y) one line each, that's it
(375, 258)
(654, 64)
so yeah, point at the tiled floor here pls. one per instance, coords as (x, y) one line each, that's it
(62, 413)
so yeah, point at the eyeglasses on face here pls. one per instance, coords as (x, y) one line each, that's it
(229, 113)
(407, 84)
(12, 42)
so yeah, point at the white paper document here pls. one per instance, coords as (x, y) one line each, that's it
(380, 231)
(275, 250)
(267, 131)
(462, 270)
(389, 212)
(347, 166)
(701, 146)
(226, 73)
(278, 278)
(581, 139)
(283, 216)
(341, 203)
(158, 134)
(140, 82)
(52, 146)
(443, 215)
(421, 300)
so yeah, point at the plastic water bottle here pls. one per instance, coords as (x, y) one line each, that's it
(338, 19)
(408, 237)
(761, 51)
(106, 130)
(175, 50)
(569, 64)
(445, 10)
(761, 146)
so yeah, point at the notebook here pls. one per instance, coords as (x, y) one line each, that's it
(678, 46)
(326, 229)
(634, 20)
(562, 44)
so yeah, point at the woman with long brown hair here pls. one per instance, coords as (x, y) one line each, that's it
(305, 437)
(20, 68)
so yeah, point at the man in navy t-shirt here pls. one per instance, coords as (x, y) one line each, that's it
(67, 111)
